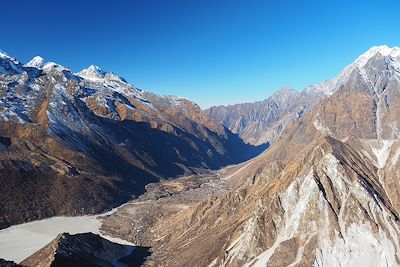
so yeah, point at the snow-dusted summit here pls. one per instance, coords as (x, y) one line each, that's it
(95, 73)
(36, 62)
(92, 72)
(9, 65)
(41, 64)
(92, 140)
(391, 55)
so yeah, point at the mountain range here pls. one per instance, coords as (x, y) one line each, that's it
(78, 143)
(324, 193)
(262, 122)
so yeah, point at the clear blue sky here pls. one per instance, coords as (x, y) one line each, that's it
(213, 52)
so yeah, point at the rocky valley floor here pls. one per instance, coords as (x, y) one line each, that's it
(160, 200)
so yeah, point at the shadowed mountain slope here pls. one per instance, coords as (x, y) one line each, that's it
(86, 142)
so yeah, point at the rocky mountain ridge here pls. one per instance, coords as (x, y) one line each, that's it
(82, 143)
(325, 193)
(244, 119)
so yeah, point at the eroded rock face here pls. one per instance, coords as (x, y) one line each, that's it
(82, 143)
(326, 193)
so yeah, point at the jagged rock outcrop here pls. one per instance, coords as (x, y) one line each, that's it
(82, 143)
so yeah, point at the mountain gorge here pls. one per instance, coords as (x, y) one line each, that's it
(326, 192)
(78, 143)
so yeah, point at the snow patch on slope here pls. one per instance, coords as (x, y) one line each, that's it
(321, 127)
(395, 158)
(359, 244)
(360, 247)
(381, 150)
(295, 201)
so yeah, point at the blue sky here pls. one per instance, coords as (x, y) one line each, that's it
(213, 52)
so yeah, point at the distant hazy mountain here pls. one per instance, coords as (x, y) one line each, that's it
(85, 142)
(261, 122)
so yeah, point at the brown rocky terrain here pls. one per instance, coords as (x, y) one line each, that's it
(83, 143)
(262, 122)
(326, 193)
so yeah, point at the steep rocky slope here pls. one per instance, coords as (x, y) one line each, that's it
(86, 142)
(326, 193)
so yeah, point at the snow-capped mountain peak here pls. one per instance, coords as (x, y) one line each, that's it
(92, 72)
(383, 50)
(330, 86)
(40, 63)
(36, 62)
(3, 54)
(95, 73)
(9, 65)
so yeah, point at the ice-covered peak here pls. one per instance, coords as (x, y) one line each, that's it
(39, 63)
(36, 62)
(92, 72)
(382, 50)
(3, 54)
(330, 86)
(95, 73)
